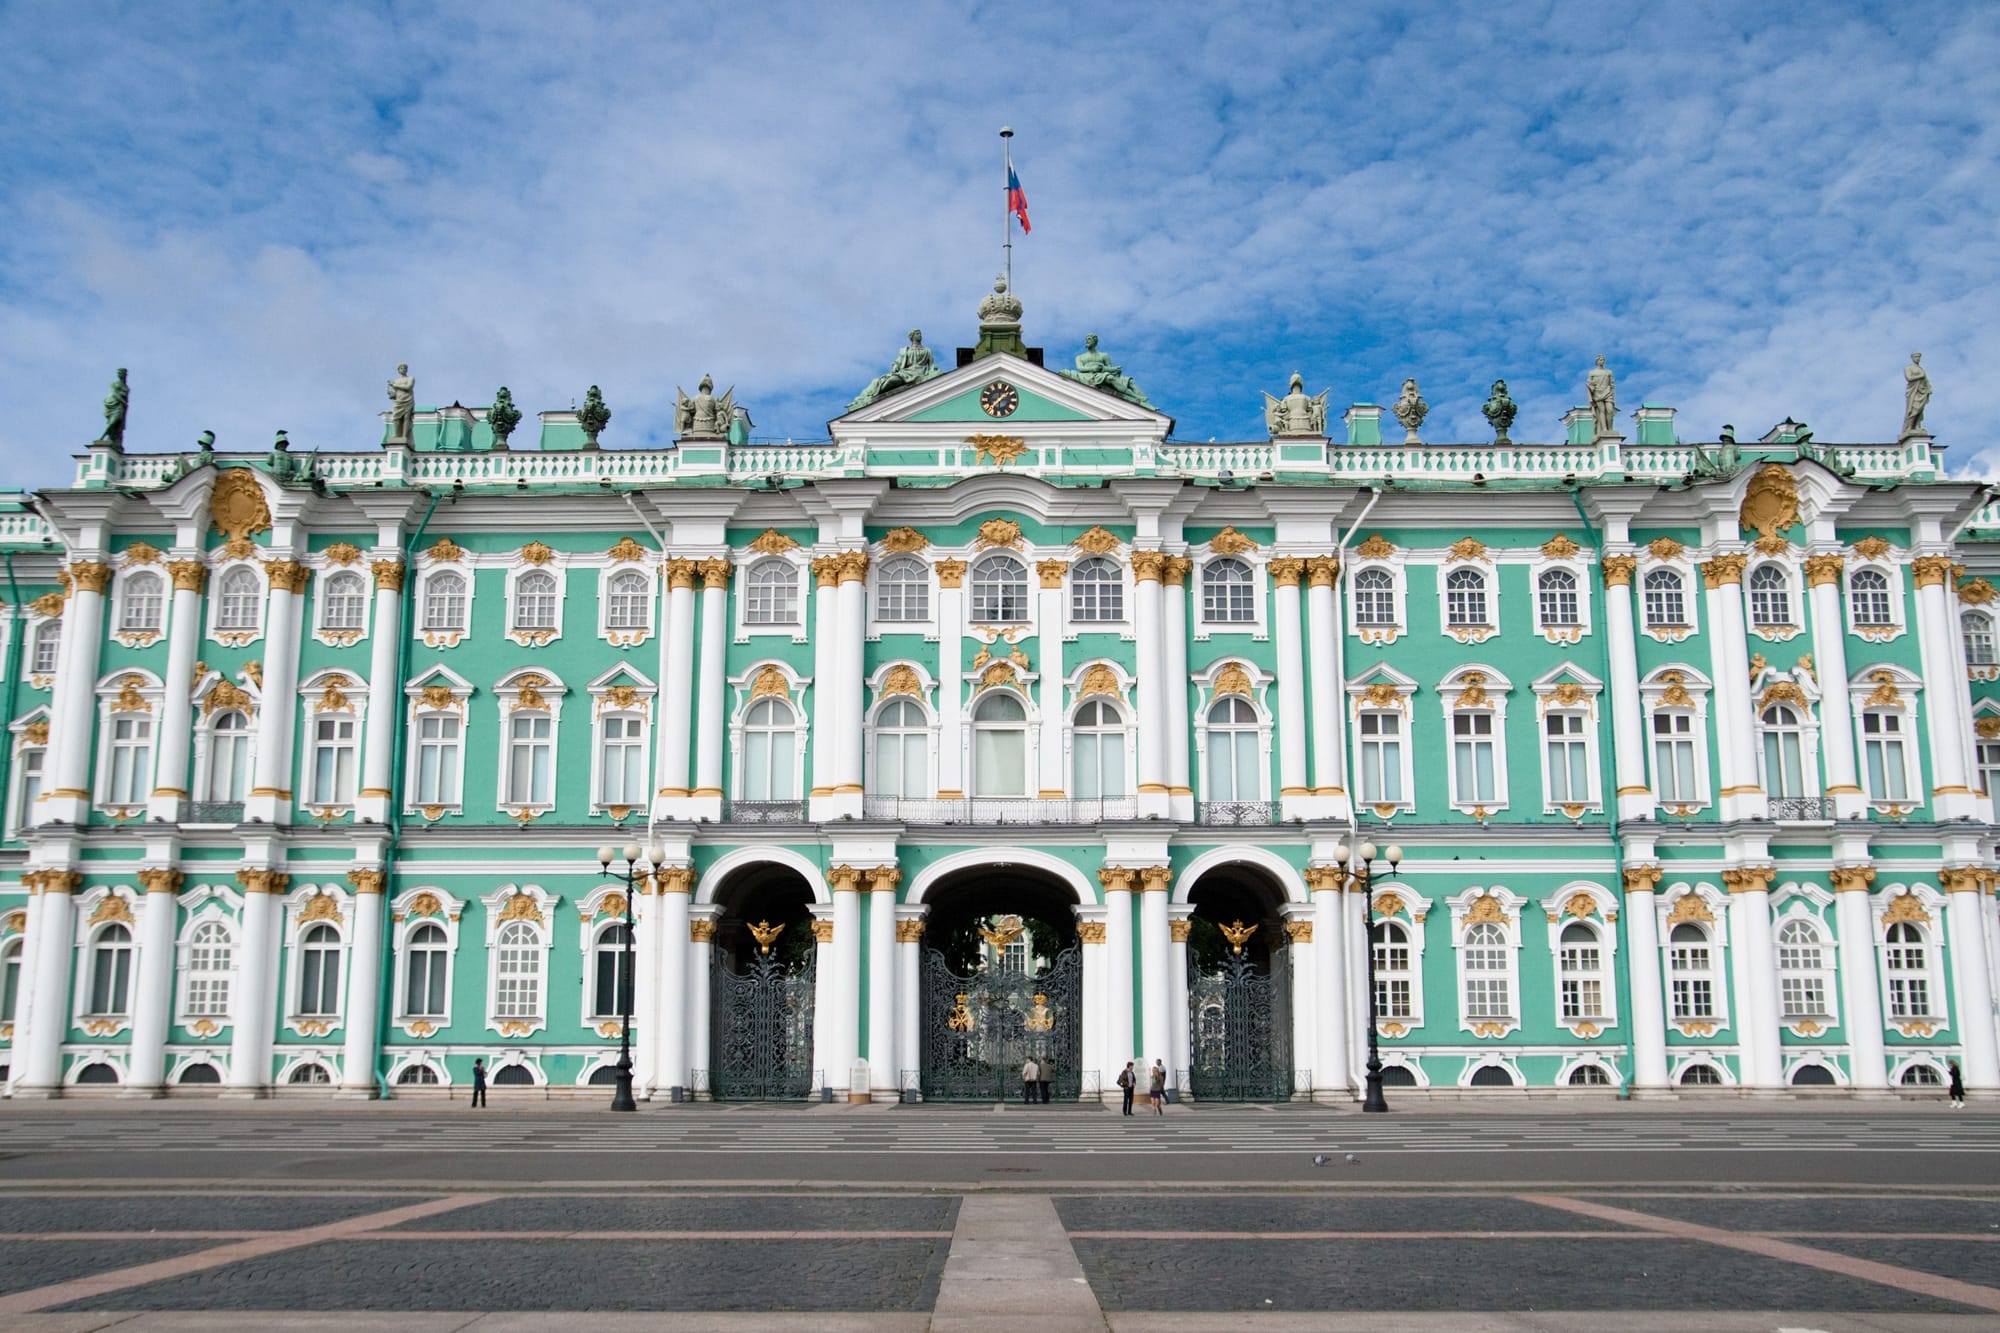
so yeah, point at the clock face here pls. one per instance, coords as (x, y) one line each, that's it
(999, 399)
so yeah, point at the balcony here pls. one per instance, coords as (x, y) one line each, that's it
(1236, 814)
(212, 812)
(989, 810)
(763, 812)
(1800, 809)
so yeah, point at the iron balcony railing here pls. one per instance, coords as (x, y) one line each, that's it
(1801, 808)
(1236, 813)
(1000, 810)
(764, 812)
(213, 812)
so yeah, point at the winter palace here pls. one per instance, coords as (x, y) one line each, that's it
(1001, 724)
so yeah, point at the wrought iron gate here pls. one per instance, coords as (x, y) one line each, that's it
(1240, 1031)
(979, 1030)
(761, 1038)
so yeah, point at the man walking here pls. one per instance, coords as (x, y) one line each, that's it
(478, 1083)
(1045, 1074)
(1031, 1074)
(1128, 1083)
(1957, 1088)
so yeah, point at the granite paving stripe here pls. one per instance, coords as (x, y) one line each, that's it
(1363, 1235)
(1966, 1259)
(1456, 1276)
(421, 1274)
(26, 1265)
(747, 1213)
(1427, 1213)
(1813, 1212)
(184, 1212)
(428, 1236)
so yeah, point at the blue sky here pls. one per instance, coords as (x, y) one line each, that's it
(1751, 210)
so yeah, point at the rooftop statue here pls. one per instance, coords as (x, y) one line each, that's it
(1916, 396)
(593, 416)
(1295, 413)
(115, 404)
(502, 417)
(402, 405)
(1000, 306)
(913, 365)
(1500, 411)
(1094, 370)
(704, 416)
(1603, 390)
(1411, 409)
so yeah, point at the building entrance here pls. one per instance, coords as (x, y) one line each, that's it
(761, 997)
(1239, 992)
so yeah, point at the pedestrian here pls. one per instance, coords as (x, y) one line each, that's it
(1156, 1091)
(1127, 1082)
(1957, 1088)
(1045, 1071)
(1031, 1074)
(479, 1083)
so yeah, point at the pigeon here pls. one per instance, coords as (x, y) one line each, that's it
(1352, 1160)
(1319, 1159)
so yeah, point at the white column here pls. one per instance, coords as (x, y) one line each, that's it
(826, 659)
(1742, 795)
(882, 1079)
(909, 985)
(1860, 988)
(1147, 618)
(24, 1003)
(647, 965)
(1970, 980)
(175, 737)
(1330, 1050)
(1357, 942)
(1836, 709)
(951, 682)
(73, 705)
(1090, 931)
(1293, 791)
(1649, 1014)
(713, 704)
(843, 1013)
(1180, 788)
(1948, 703)
(826, 1000)
(1154, 941)
(698, 943)
(360, 1053)
(277, 717)
(53, 945)
(1322, 634)
(851, 616)
(676, 687)
(1304, 958)
(1757, 974)
(254, 1005)
(386, 714)
(153, 995)
(1180, 1053)
(1054, 784)
(1628, 727)
(1120, 1043)
(672, 1010)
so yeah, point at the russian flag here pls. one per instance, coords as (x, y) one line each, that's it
(1017, 199)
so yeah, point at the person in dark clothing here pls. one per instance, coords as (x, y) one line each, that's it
(1957, 1088)
(479, 1083)
(1128, 1083)
(1045, 1071)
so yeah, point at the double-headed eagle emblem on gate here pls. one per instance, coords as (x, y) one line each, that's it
(1237, 934)
(766, 935)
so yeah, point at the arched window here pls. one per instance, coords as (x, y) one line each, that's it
(1812, 1076)
(319, 971)
(201, 1074)
(310, 1074)
(902, 750)
(517, 972)
(1465, 599)
(228, 757)
(10, 979)
(1000, 591)
(1395, 977)
(1228, 593)
(48, 646)
(344, 602)
(1801, 970)
(1691, 963)
(97, 1072)
(416, 1076)
(210, 961)
(1979, 645)
(1580, 963)
(1000, 747)
(1675, 776)
(1784, 751)
(1986, 752)
(444, 603)
(1233, 751)
(1096, 590)
(425, 972)
(771, 594)
(535, 601)
(144, 603)
(1484, 955)
(530, 759)
(628, 600)
(1884, 755)
(1098, 749)
(902, 590)
(1374, 597)
(1770, 597)
(1589, 1076)
(111, 972)
(1701, 1076)
(238, 600)
(1922, 1076)
(1908, 972)
(1380, 736)
(513, 1076)
(1492, 1076)
(770, 740)
(1868, 596)
(1665, 599)
(1556, 592)
(610, 973)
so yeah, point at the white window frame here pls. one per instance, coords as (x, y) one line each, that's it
(1126, 592)
(1682, 566)
(186, 974)
(1258, 626)
(39, 629)
(1409, 914)
(1206, 698)
(638, 716)
(1030, 727)
(797, 629)
(428, 571)
(1360, 699)
(217, 578)
(496, 905)
(1579, 569)
(1716, 927)
(627, 636)
(1398, 600)
(88, 932)
(416, 708)
(340, 636)
(20, 812)
(979, 567)
(1795, 602)
(312, 698)
(1654, 692)
(113, 706)
(1986, 748)
(1800, 911)
(1930, 929)
(596, 923)
(1564, 908)
(1489, 577)
(513, 695)
(1897, 593)
(121, 593)
(926, 624)
(1808, 733)
(1125, 729)
(402, 912)
(1906, 685)
(341, 920)
(1988, 670)
(744, 687)
(871, 779)
(1548, 701)
(1451, 690)
(207, 745)
(1462, 907)
(554, 569)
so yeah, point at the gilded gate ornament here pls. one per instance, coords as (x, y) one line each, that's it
(1040, 1018)
(960, 1019)
(766, 934)
(1237, 934)
(1003, 932)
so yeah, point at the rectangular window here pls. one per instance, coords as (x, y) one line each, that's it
(1569, 758)
(31, 785)
(423, 993)
(1673, 756)
(1381, 758)
(333, 762)
(1582, 983)
(621, 765)
(517, 988)
(530, 760)
(1784, 763)
(1882, 737)
(613, 982)
(1909, 997)
(319, 982)
(1801, 996)
(1989, 767)
(437, 759)
(131, 760)
(1392, 997)
(1472, 758)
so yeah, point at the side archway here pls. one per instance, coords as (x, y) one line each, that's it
(718, 874)
(1078, 883)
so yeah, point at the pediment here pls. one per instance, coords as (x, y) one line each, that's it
(953, 400)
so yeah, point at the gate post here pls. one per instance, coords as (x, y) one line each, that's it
(1180, 1058)
(909, 1016)
(1096, 1003)
(1305, 990)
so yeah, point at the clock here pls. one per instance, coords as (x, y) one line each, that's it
(999, 399)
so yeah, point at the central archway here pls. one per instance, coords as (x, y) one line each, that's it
(1239, 987)
(761, 980)
(1002, 983)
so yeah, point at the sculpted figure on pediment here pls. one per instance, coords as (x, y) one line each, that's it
(1916, 395)
(913, 365)
(1296, 413)
(1095, 370)
(704, 416)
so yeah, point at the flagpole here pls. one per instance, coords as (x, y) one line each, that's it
(1006, 204)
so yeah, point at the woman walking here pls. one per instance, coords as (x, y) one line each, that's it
(1957, 1088)
(1156, 1091)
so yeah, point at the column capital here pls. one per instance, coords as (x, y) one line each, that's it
(1177, 931)
(822, 932)
(1148, 566)
(1324, 878)
(701, 930)
(1642, 879)
(1052, 572)
(1155, 879)
(852, 566)
(388, 575)
(951, 573)
(826, 571)
(1749, 879)
(188, 575)
(1618, 570)
(1322, 570)
(1286, 569)
(1090, 932)
(1117, 879)
(1300, 931)
(1825, 568)
(844, 879)
(1174, 572)
(715, 574)
(1932, 570)
(910, 932)
(673, 879)
(1851, 879)
(367, 880)
(90, 575)
(286, 576)
(681, 574)
(1961, 879)
(884, 879)
(1724, 569)
(263, 881)
(160, 881)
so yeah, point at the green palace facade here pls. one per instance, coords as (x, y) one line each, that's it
(999, 725)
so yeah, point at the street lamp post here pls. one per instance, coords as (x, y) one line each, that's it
(621, 1099)
(1363, 857)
